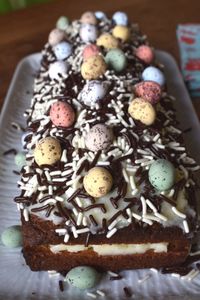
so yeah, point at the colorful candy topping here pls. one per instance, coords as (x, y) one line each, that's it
(90, 50)
(88, 18)
(143, 111)
(58, 69)
(11, 237)
(62, 114)
(47, 151)
(120, 18)
(100, 137)
(93, 67)
(108, 41)
(153, 74)
(20, 160)
(121, 32)
(145, 54)
(83, 277)
(62, 23)
(56, 36)
(149, 91)
(88, 33)
(93, 92)
(116, 60)
(62, 50)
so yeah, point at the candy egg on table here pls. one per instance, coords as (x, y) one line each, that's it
(98, 182)
(100, 15)
(143, 111)
(20, 159)
(148, 90)
(100, 137)
(153, 74)
(56, 36)
(90, 50)
(116, 60)
(145, 53)
(162, 174)
(83, 277)
(93, 67)
(107, 40)
(62, 50)
(57, 69)
(88, 33)
(47, 151)
(121, 32)
(88, 18)
(62, 23)
(11, 237)
(120, 18)
(93, 91)
(62, 114)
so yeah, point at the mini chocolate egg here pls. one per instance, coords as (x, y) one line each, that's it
(56, 36)
(20, 160)
(62, 50)
(162, 174)
(90, 50)
(98, 182)
(47, 151)
(120, 18)
(149, 91)
(62, 23)
(100, 137)
(62, 114)
(153, 74)
(121, 32)
(58, 69)
(143, 111)
(145, 53)
(93, 92)
(93, 67)
(100, 15)
(88, 33)
(116, 60)
(88, 18)
(83, 277)
(107, 40)
(11, 237)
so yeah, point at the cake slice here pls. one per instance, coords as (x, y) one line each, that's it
(108, 181)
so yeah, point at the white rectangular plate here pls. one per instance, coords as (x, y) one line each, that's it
(16, 280)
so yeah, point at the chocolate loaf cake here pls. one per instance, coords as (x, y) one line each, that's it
(108, 181)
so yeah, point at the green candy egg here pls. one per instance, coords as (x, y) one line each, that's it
(62, 23)
(116, 60)
(83, 277)
(20, 159)
(162, 174)
(11, 237)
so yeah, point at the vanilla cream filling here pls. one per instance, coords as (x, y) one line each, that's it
(113, 249)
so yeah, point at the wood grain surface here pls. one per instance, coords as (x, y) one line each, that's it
(25, 32)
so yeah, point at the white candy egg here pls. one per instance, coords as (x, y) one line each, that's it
(93, 91)
(58, 67)
(120, 18)
(88, 33)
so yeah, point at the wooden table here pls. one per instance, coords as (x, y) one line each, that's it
(24, 32)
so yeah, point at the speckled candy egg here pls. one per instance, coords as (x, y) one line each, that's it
(90, 50)
(47, 151)
(98, 182)
(108, 41)
(143, 111)
(88, 33)
(100, 137)
(162, 174)
(62, 50)
(62, 114)
(93, 67)
(116, 60)
(83, 277)
(11, 237)
(58, 69)
(88, 18)
(121, 32)
(148, 90)
(20, 160)
(120, 18)
(93, 91)
(62, 23)
(145, 53)
(153, 74)
(56, 36)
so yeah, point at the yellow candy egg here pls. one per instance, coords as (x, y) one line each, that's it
(121, 32)
(141, 110)
(47, 151)
(107, 41)
(93, 67)
(98, 182)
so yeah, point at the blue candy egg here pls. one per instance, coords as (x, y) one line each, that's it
(62, 50)
(88, 33)
(153, 74)
(120, 18)
(100, 15)
(11, 237)
(83, 277)
(20, 160)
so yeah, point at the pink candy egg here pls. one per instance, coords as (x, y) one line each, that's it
(149, 91)
(56, 36)
(62, 114)
(90, 50)
(145, 53)
(88, 18)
